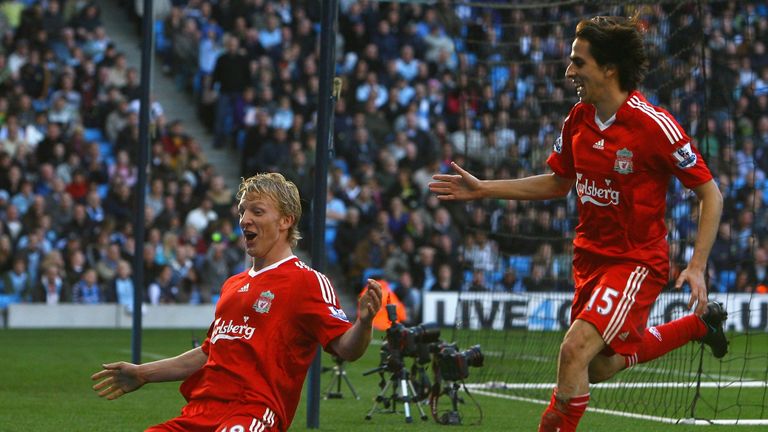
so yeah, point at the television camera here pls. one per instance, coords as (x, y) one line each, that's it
(452, 366)
(422, 343)
(401, 342)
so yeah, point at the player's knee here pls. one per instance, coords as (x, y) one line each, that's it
(572, 352)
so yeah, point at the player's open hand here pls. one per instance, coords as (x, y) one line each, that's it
(117, 379)
(370, 302)
(461, 186)
(695, 279)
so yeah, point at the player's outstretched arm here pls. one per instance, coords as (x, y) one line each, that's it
(352, 344)
(464, 186)
(710, 209)
(117, 379)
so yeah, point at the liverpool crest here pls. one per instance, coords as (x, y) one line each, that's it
(264, 302)
(623, 164)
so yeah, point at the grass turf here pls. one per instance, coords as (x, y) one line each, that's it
(45, 386)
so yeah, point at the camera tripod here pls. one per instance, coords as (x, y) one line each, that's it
(338, 374)
(451, 417)
(402, 390)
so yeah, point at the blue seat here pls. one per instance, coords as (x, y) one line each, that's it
(521, 264)
(493, 277)
(726, 280)
(372, 273)
(8, 299)
(103, 191)
(162, 44)
(93, 134)
(106, 148)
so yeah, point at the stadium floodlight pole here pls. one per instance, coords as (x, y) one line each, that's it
(324, 130)
(141, 181)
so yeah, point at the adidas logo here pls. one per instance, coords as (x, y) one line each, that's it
(599, 145)
(655, 332)
(244, 288)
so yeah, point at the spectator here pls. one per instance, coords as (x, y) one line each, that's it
(445, 280)
(122, 285)
(230, 76)
(88, 290)
(106, 267)
(510, 282)
(348, 235)
(162, 290)
(424, 271)
(16, 280)
(52, 289)
(216, 269)
(201, 216)
(411, 297)
(186, 44)
(220, 195)
(476, 282)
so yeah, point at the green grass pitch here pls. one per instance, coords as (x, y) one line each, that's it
(45, 386)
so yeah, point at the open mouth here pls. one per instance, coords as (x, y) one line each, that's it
(249, 235)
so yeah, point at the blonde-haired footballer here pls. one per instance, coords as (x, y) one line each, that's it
(248, 373)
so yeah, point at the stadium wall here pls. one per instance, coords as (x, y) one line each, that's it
(550, 311)
(107, 316)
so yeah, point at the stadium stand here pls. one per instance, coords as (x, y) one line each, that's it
(408, 71)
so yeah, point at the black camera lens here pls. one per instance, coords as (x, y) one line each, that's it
(474, 356)
(425, 333)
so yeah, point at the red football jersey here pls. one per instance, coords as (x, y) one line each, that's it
(264, 336)
(622, 170)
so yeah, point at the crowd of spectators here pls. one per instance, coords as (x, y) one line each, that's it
(68, 146)
(424, 84)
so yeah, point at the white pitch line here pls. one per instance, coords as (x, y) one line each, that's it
(622, 385)
(667, 420)
(598, 410)
(662, 371)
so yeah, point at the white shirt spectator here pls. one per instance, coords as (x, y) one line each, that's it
(200, 217)
(367, 90)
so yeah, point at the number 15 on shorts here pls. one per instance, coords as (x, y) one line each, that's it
(604, 296)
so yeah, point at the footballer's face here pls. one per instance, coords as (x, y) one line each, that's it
(265, 230)
(589, 78)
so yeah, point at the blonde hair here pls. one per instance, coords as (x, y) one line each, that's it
(282, 192)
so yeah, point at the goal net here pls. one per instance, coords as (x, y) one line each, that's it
(516, 277)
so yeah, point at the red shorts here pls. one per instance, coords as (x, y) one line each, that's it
(616, 298)
(217, 416)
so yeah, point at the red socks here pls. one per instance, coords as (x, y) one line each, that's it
(662, 339)
(563, 415)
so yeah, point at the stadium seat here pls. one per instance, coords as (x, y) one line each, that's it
(106, 149)
(8, 299)
(521, 264)
(93, 134)
(341, 163)
(726, 280)
(467, 277)
(372, 273)
(493, 277)
(162, 44)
